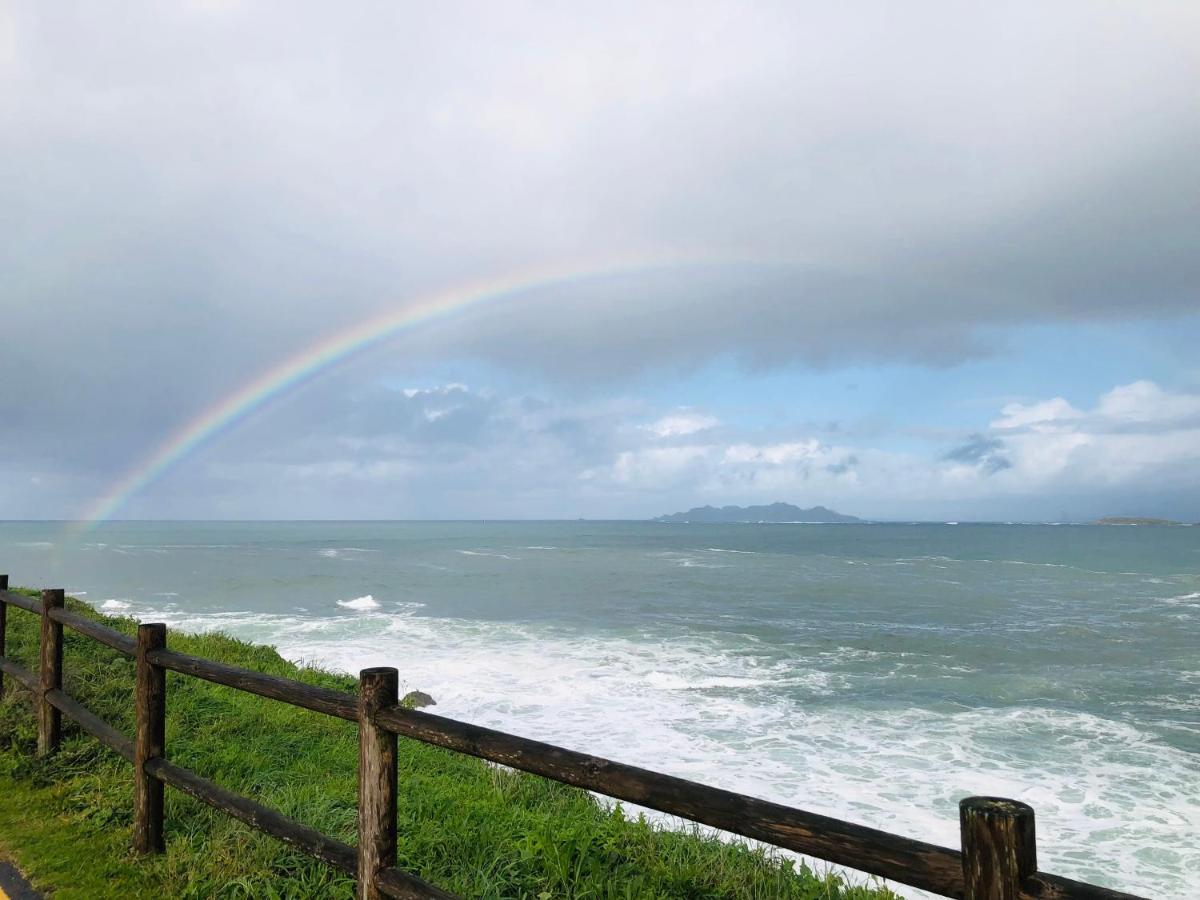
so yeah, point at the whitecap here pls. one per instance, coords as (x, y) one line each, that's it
(115, 605)
(361, 603)
(668, 682)
(340, 552)
(486, 553)
(1184, 599)
(691, 563)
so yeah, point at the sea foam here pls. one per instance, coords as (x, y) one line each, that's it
(365, 602)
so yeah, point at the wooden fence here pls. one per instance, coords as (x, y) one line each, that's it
(998, 859)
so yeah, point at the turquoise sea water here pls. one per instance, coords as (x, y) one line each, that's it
(876, 672)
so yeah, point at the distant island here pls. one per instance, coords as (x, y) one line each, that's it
(775, 512)
(1133, 520)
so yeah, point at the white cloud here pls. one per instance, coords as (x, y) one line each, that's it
(1046, 415)
(453, 387)
(447, 450)
(1036, 451)
(1145, 401)
(776, 454)
(1052, 445)
(733, 472)
(659, 467)
(682, 423)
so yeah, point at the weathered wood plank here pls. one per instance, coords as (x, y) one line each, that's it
(911, 862)
(335, 853)
(999, 847)
(378, 691)
(297, 693)
(20, 601)
(110, 637)
(19, 672)
(150, 700)
(91, 723)
(400, 885)
(1051, 887)
(49, 718)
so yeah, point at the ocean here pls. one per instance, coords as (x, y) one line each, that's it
(876, 673)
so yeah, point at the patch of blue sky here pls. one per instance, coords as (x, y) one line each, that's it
(914, 403)
(893, 406)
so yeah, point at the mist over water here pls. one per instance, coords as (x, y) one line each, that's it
(877, 673)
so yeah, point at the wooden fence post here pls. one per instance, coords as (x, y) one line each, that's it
(149, 740)
(49, 718)
(378, 689)
(999, 847)
(3, 626)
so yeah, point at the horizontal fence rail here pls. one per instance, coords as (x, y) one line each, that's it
(322, 700)
(97, 632)
(912, 862)
(339, 855)
(997, 861)
(91, 723)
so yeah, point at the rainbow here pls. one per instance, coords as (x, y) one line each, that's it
(302, 367)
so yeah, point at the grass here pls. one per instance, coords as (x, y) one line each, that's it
(475, 829)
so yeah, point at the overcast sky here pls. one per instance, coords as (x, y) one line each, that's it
(922, 260)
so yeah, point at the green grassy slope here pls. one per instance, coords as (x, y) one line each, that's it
(464, 825)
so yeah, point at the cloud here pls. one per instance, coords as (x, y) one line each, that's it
(1145, 402)
(851, 187)
(1034, 453)
(733, 470)
(681, 423)
(454, 450)
(1136, 434)
(987, 453)
(657, 467)
(895, 185)
(1044, 415)
(431, 451)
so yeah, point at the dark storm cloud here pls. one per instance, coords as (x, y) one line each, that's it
(194, 191)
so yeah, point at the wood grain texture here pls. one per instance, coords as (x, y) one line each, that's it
(322, 700)
(1051, 887)
(110, 637)
(378, 691)
(150, 698)
(91, 723)
(401, 886)
(999, 847)
(19, 672)
(49, 718)
(20, 601)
